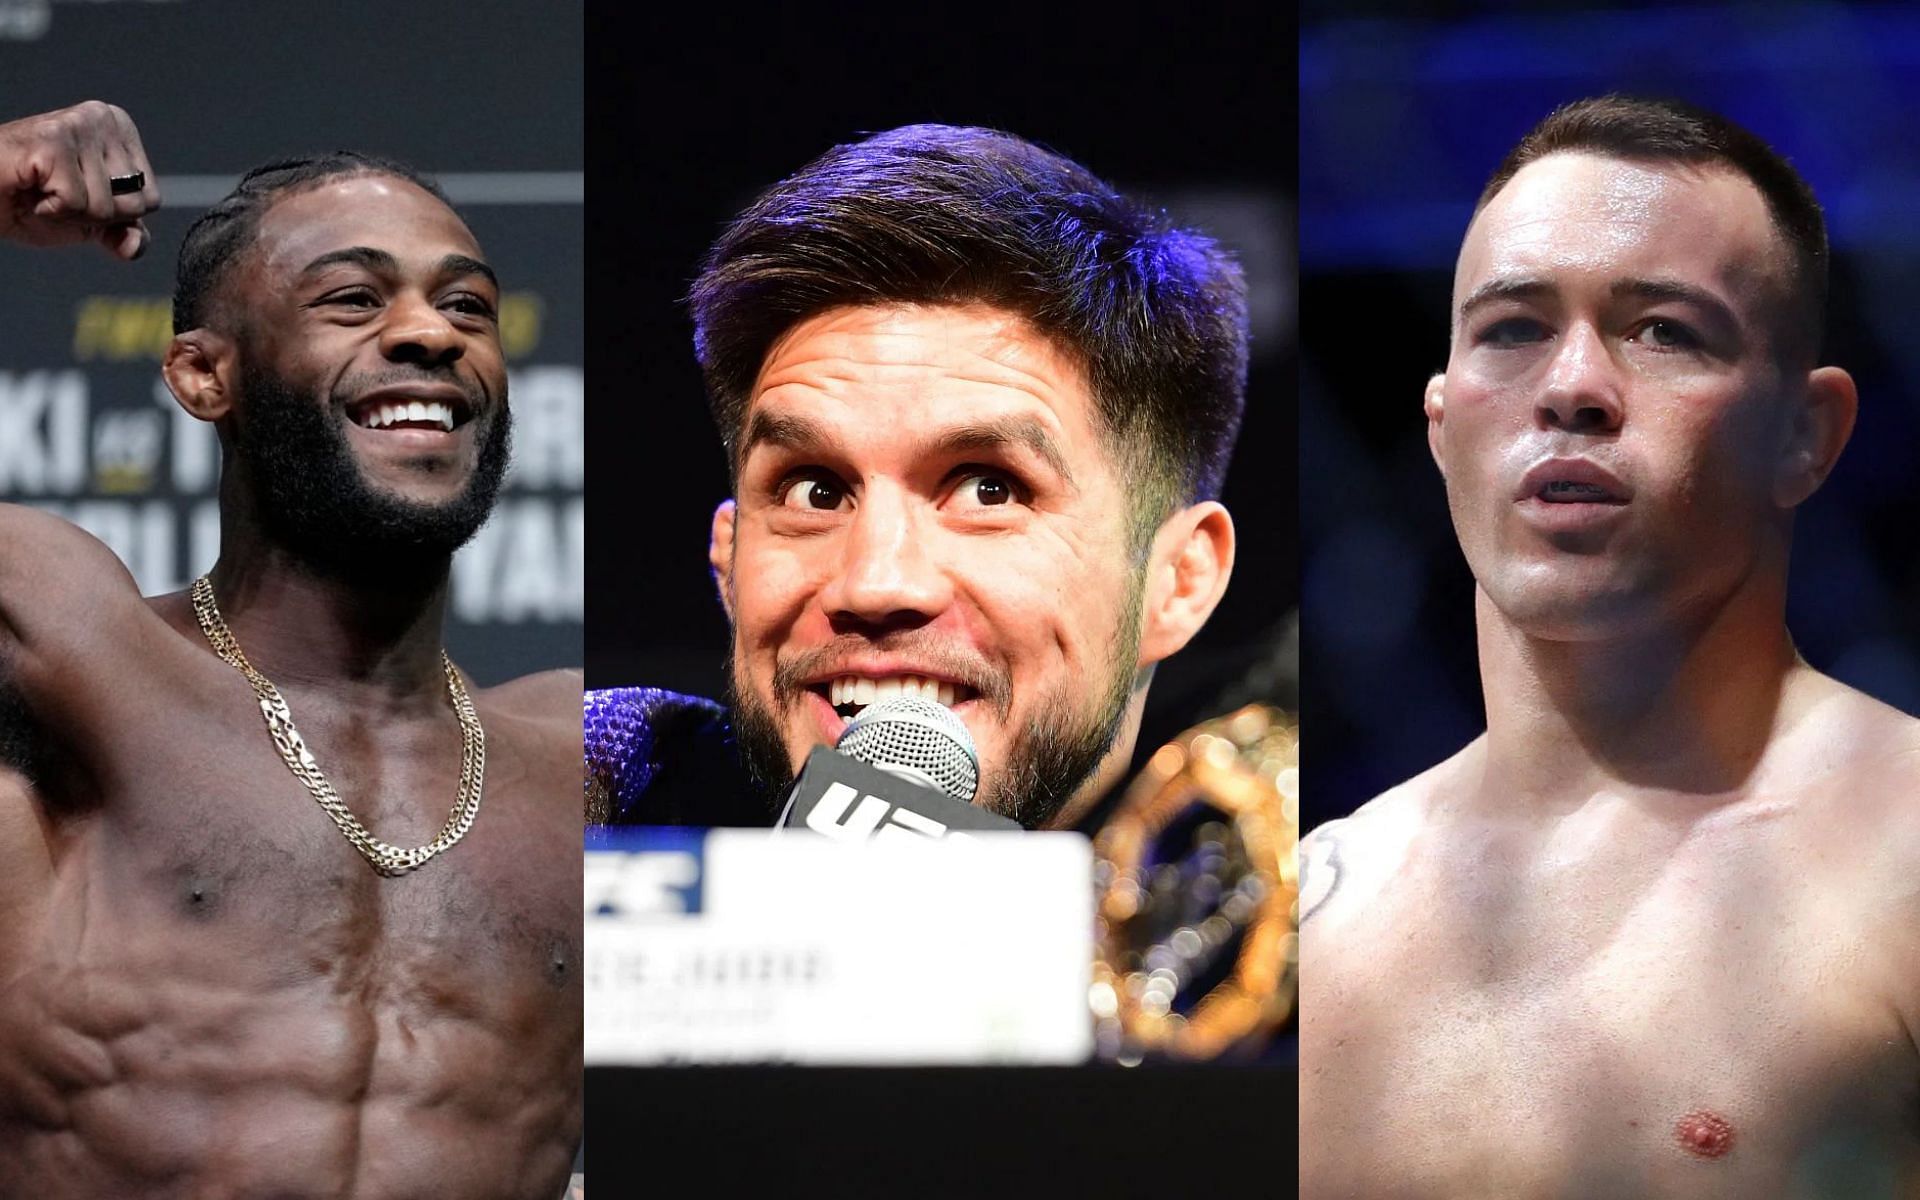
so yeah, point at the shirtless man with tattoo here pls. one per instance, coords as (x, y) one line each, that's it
(1657, 932)
(228, 967)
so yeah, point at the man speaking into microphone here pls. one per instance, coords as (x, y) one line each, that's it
(976, 407)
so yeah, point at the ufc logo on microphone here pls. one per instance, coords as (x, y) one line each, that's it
(845, 815)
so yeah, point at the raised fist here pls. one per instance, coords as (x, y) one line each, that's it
(56, 179)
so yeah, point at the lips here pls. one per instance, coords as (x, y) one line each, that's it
(1572, 481)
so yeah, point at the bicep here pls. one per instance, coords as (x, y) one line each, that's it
(56, 582)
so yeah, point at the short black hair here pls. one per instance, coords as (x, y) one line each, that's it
(1657, 131)
(940, 214)
(223, 232)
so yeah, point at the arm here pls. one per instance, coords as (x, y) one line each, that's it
(59, 588)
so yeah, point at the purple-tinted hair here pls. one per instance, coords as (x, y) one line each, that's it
(938, 214)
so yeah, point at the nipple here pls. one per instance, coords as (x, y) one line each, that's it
(1704, 1133)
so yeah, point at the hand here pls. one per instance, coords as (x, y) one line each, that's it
(53, 179)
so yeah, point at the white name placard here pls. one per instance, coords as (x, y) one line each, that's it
(743, 946)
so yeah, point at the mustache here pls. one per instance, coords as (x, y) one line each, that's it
(992, 682)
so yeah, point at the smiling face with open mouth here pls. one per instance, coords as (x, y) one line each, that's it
(370, 292)
(1612, 416)
(924, 506)
(371, 423)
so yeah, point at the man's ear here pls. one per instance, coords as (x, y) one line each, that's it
(198, 368)
(720, 554)
(1818, 431)
(1435, 407)
(1187, 571)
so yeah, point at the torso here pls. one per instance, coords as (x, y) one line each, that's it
(209, 993)
(1701, 997)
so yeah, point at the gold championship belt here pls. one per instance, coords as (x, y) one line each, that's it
(1197, 936)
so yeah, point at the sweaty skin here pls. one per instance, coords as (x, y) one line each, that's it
(205, 991)
(1656, 933)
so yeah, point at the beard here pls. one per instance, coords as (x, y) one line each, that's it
(1048, 761)
(311, 496)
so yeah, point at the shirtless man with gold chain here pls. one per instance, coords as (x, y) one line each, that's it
(334, 952)
(1657, 932)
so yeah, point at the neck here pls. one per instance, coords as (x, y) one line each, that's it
(1684, 706)
(299, 623)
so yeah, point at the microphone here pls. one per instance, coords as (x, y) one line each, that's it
(905, 767)
(919, 740)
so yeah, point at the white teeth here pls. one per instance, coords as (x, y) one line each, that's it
(420, 411)
(856, 690)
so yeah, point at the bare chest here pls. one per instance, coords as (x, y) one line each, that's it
(1588, 1029)
(211, 947)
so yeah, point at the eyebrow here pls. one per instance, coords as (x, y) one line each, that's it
(379, 260)
(787, 433)
(1503, 289)
(999, 434)
(462, 264)
(1680, 293)
(1645, 289)
(801, 433)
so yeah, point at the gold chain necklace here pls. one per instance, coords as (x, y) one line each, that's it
(386, 859)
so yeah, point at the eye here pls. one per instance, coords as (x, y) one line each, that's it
(358, 297)
(1512, 331)
(986, 489)
(1664, 333)
(466, 302)
(815, 493)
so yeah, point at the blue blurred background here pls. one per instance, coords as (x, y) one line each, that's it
(1405, 110)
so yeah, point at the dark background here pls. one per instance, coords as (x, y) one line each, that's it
(1405, 109)
(1192, 112)
(485, 94)
(691, 120)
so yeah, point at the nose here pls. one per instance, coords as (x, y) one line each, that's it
(1581, 393)
(416, 331)
(887, 576)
